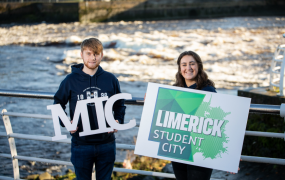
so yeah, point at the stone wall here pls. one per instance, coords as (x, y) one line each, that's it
(176, 9)
(38, 12)
(129, 10)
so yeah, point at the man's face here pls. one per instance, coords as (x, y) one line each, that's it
(91, 60)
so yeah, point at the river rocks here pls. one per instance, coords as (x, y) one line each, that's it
(70, 175)
(73, 40)
(32, 163)
(33, 176)
(45, 176)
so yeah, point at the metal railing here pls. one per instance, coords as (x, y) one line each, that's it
(254, 108)
(277, 69)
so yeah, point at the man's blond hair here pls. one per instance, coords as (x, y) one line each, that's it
(93, 44)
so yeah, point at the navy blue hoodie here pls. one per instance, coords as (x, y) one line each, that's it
(206, 88)
(78, 86)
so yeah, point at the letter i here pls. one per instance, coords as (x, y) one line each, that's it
(165, 118)
(201, 125)
(169, 148)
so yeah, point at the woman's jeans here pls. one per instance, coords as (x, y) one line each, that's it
(83, 158)
(190, 172)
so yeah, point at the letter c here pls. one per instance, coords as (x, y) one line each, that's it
(163, 147)
(109, 113)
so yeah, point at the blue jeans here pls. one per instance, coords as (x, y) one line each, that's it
(83, 158)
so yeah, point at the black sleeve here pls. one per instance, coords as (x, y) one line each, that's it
(62, 96)
(119, 107)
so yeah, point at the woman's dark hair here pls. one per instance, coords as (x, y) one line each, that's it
(201, 78)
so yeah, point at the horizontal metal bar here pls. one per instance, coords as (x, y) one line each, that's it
(2, 134)
(5, 155)
(263, 160)
(265, 108)
(254, 108)
(7, 178)
(26, 94)
(39, 116)
(272, 84)
(146, 173)
(265, 134)
(27, 158)
(125, 146)
(128, 146)
(278, 60)
(49, 95)
(49, 139)
(243, 157)
(275, 72)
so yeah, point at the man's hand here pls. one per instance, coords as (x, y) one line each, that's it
(74, 130)
(115, 130)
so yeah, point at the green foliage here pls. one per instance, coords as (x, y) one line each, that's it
(264, 146)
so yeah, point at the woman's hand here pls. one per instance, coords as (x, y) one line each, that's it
(115, 130)
(74, 130)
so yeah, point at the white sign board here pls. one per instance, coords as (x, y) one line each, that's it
(193, 127)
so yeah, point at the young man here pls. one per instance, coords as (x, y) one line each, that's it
(89, 80)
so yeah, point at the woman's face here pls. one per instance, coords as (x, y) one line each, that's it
(189, 68)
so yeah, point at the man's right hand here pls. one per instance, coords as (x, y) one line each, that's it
(74, 130)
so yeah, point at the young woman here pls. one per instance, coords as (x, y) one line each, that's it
(191, 75)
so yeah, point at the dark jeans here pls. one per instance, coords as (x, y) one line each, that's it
(190, 172)
(83, 158)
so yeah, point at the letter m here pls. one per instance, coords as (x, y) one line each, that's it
(57, 112)
(172, 121)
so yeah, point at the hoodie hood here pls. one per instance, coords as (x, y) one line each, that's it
(78, 69)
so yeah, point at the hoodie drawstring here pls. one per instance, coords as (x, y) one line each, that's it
(90, 82)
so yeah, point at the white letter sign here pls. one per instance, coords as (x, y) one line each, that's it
(81, 109)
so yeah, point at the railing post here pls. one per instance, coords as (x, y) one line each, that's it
(12, 144)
